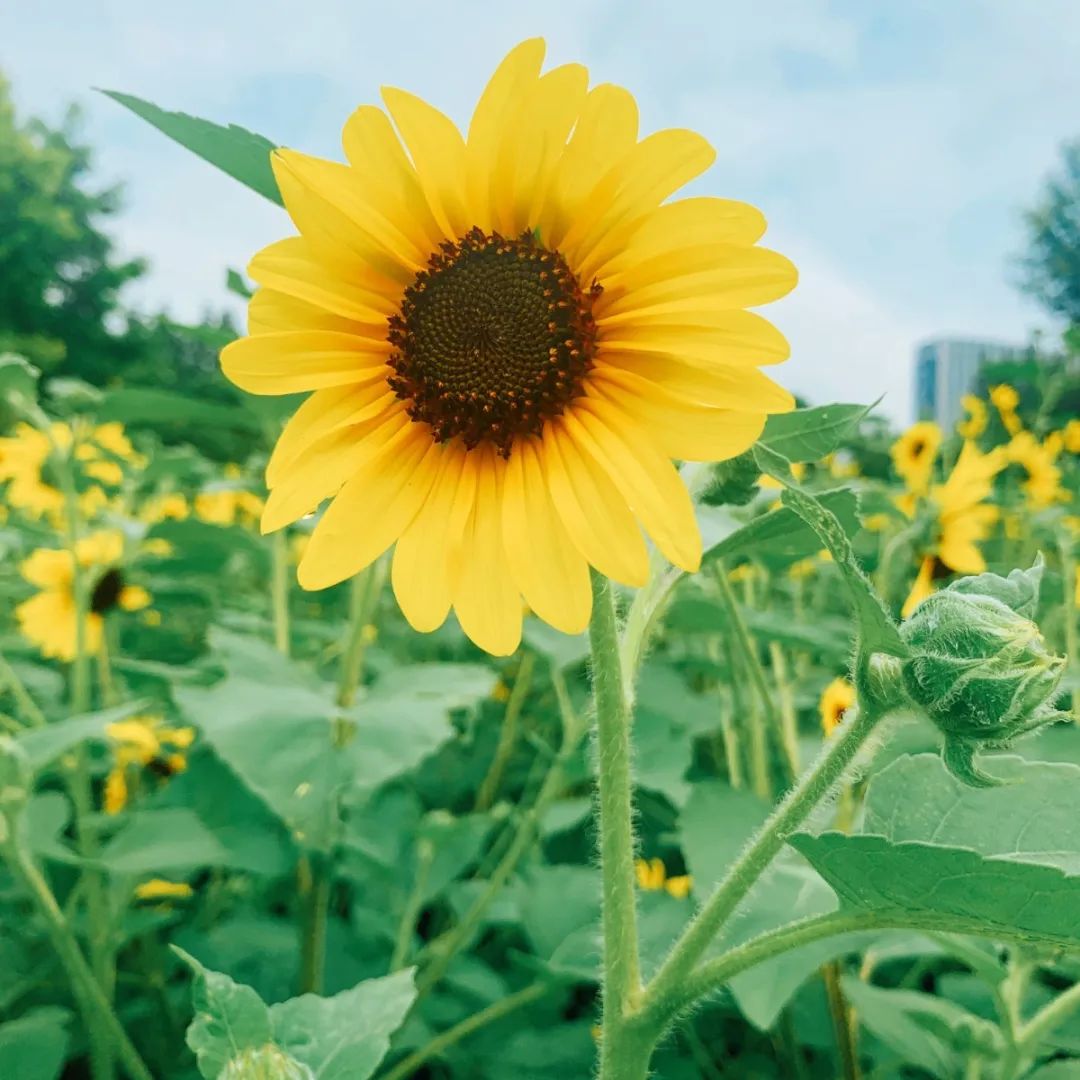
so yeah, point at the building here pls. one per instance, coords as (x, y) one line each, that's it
(946, 370)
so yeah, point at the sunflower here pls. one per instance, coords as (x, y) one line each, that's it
(24, 456)
(914, 454)
(1006, 400)
(49, 618)
(652, 876)
(1070, 436)
(226, 506)
(508, 336)
(974, 424)
(1042, 479)
(166, 506)
(962, 518)
(835, 700)
(143, 742)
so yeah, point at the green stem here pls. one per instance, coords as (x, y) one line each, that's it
(507, 734)
(843, 1028)
(97, 1013)
(279, 591)
(641, 620)
(366, 589)
(425, 853)
(316, 910)
(789, 728)
(1072, 645)
(1031, 1034)
(785, 819)
(622, 977)
(408, 1066)
(27, 706)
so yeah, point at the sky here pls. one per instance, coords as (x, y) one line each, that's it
(893, 145)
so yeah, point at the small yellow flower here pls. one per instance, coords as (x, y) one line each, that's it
(160, 889)
(158, 547)
(1006, 400)
(746, 571)
(92, 501)
(227, 507)
(652, 876)
(111, 437)
(23, 457)
(108, 472)
(1071, 436)
(977, 417)
(116, 790)
(170, 506)
(798, 470)
(836, 699)
(914, 454)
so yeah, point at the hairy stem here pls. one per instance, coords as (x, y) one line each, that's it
(622, 977)
(489, 789)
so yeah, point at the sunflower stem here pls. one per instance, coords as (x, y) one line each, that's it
(102, 1025)
(26, 705)
(80, 787)
(622, 1054)
(489, 789)
(279, 591)
(787, 816)
(366, 589)
(1071, 588)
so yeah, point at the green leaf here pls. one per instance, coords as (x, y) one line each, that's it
(920, 1029)
(34, 1046)
(162, 842)
(811, 434)
(139, 407)
(1031, 817)
(229, 1019)
(242, 154)
(18, 379)
(782, 534)
(346, 1036)
(43, 745)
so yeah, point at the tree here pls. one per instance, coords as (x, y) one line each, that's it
(1052, 262)
(60, 279)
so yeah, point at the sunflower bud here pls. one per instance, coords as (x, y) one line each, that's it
(16, 779)
(979, 666)
(265, 1063)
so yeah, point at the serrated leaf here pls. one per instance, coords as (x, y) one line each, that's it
(230, 1018)
(240, 153)
(811, 434)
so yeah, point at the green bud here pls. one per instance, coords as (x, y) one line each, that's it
(732, 482)
(16, 781)
(979, 666)
(265, 1063)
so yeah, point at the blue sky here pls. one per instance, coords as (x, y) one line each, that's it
(893, 144)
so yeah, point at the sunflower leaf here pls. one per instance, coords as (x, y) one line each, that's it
(242, 154)
(810, 434)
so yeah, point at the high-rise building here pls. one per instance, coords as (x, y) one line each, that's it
(946, 370)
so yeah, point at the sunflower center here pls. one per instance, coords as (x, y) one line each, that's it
(493, 339)
(106, 594)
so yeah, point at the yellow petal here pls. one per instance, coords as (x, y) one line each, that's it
(438, 153)
(367, 231)
(921, 589)
(550, 572)
(294, 361)
(134, 598)
(270, 311)
(533, 144)
(654, 169)
(710, 336)
(651, 484)
(606, 132)
(682, 429)
(505, 88)
(48, 568)
(722, 386)
(331, 231)
(293, 267)
(486, 600)
(592, 508)
(323, 413)
(733, 276)
(373, 509)
(375, 152)
(687, 222)
(326, 465)
(427, 555)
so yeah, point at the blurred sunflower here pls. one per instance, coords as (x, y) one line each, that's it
(143, 742)
(1006, 400)
(962, 517)
(24, 457)
(1042, 477)
(50, 618)
(227, 506)
(978, 416)
(835, 700)
(914, 454)
(166, 506)
(1071, 436)
(508, 336)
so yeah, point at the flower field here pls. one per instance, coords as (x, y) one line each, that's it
(613, 716)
